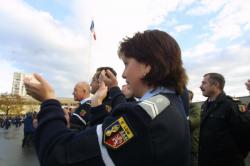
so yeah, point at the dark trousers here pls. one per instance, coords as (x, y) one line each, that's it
(27, 140)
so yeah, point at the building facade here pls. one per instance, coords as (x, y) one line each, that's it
(17, 84)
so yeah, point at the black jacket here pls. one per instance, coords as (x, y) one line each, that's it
(81, 117)
(219, 120)
(99, 113)
(133, 134)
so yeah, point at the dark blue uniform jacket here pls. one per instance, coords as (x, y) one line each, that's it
(145, 133)
(76, 123)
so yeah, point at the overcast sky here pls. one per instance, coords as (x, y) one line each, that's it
(52, 37)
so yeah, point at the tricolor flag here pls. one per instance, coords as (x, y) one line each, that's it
(92, 29)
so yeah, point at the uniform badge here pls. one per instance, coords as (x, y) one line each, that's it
(117, 134)
(82, 113)
(242, 108)
(108, 108)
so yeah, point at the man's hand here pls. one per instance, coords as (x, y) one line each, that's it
(100, 95)
(39, 89)
(109, 78)
(248, 85)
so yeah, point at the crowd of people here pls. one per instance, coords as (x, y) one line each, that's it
(150, 121)
(7, 121)
(29, 122)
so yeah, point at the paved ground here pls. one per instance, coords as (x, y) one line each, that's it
(12, 154)
(248, 160)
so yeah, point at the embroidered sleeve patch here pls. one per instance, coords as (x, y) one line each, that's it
(242, 108)
(117, 134)
(82, 113)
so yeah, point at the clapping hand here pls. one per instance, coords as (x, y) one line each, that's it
(108, 78)
(99, 95)
(248, 85)
(39, 88)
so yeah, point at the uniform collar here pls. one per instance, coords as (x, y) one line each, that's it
(84, 100)
(219, 98)
(152, 92)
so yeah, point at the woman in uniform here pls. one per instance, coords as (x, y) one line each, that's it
(152, 131)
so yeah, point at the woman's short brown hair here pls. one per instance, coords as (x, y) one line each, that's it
(159, 50)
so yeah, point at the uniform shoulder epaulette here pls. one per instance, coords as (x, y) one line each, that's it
(155, 105)
(234, 99)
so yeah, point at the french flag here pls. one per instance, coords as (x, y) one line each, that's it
(92, 29)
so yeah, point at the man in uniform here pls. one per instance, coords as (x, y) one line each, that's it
(221, 121)
(100, 112)
(81, 116)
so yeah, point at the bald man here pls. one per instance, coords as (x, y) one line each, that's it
(80, 117)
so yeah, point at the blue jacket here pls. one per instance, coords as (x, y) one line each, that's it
(28, 125)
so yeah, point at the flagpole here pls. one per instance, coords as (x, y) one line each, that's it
(91, 39)
(89, 56)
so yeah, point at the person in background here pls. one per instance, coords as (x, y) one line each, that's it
(95, 82)
(153, 131)
(223, 125)
(28, 130)
(80, 118)
(194, 124)
(95, 79)
(34, 121)
(99, 113)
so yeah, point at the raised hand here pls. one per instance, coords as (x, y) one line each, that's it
(248, 85)
(108, 78)
(100, 94)
(39, 88)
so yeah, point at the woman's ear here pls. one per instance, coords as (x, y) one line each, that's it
(147, 69)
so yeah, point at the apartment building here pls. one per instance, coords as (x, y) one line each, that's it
(17, 84)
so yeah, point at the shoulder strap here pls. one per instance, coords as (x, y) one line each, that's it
(155, 105)
(80, 118)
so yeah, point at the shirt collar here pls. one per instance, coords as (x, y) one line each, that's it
(85, 100)
(152, 92)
